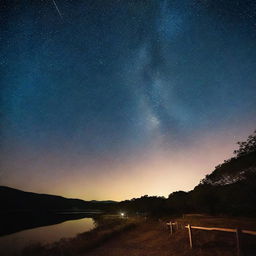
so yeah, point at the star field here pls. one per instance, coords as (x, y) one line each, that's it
(99, 95)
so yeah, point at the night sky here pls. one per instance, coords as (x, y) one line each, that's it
(114, 99)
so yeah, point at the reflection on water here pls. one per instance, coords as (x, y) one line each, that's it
(15, 242)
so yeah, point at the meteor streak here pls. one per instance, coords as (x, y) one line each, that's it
(57, 8)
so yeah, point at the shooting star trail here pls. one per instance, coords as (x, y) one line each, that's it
(57, 8)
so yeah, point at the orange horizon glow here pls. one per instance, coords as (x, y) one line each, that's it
(155, 172)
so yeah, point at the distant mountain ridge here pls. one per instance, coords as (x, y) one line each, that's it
(17, 200)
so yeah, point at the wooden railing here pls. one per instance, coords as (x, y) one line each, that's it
(237, 231)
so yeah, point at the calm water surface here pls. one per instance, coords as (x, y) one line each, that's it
(13, 243)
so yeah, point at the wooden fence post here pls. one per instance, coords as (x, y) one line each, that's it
(190, 236)
(238, 242)
(171, 230)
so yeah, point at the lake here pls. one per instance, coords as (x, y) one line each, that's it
(65, 226)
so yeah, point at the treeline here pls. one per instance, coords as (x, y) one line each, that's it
(230, 189)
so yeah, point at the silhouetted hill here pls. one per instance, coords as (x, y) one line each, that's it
(17, 200)
(230, 189)
(232, 170)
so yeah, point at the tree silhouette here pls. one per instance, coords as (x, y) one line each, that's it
(246, 147)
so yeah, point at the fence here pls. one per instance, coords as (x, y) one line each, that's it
(237, 232)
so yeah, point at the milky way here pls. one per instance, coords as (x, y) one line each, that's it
(119, 92)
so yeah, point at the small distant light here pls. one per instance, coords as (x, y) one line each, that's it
(122, 214)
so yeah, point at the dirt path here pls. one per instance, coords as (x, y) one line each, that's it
(147, 239)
